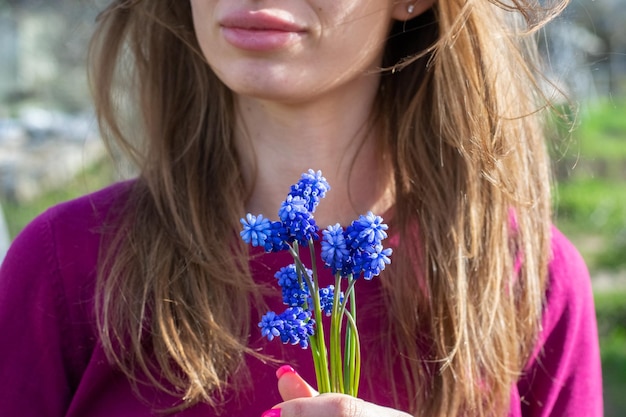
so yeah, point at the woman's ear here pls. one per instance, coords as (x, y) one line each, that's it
(408, 9)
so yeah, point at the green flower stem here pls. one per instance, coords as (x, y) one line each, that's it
(348, 361)
(320, 355)
(335, 335)
(356, 376)
(317, 309)
(313, 263)
(347, 295)
(350, 344)
(333, 373)
(313, 340)
(355, 348)
(313, 343)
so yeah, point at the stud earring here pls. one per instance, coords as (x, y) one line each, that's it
(410, 8)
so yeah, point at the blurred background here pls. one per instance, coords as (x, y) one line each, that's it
(50, 150)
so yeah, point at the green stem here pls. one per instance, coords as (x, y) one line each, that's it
(347, 294)
(349, 342)
(347, 361)
(355, 348)
(356, 374)
(313, 262)
(335, 336)
(316, 362)
(320, 357)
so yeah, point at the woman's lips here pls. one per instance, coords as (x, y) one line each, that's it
(259, 31)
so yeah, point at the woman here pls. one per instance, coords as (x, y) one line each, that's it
(141, 299)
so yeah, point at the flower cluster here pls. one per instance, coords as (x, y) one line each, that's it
(296, 216)
(358, 249)
(293, 326)
(351, 253)
(295, 290)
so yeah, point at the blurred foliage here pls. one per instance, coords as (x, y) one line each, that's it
(611, 314)
(91, 179)
(590, 197)
(593, 205)
(602, 131)
(595, 208)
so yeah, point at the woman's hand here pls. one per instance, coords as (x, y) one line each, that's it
(301, 400)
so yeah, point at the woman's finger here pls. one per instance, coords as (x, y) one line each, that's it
(291, 385)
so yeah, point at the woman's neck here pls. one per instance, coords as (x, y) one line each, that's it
(280, 141)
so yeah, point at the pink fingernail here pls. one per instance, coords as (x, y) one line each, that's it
(285, 369)
(274, 412)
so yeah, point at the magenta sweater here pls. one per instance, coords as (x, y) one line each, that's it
(52, 364)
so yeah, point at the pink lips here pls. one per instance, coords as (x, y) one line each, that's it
(259, 31)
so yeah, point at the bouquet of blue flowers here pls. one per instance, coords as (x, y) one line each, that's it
(351, 253)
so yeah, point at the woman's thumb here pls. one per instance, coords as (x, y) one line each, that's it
(291, 385)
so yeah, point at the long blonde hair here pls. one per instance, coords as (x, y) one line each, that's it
(460, 109)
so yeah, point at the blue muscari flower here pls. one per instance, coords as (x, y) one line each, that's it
(293, 326)
(371, 261)
(364, 237)
(312, 187)
(297, 219)
(335, 252)
(287, 276)
(271, 325)
(294, 292)
(256, 230)
(277, 238)
(327, 299)
(292, 207)
(298, 326)
(367, 231)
